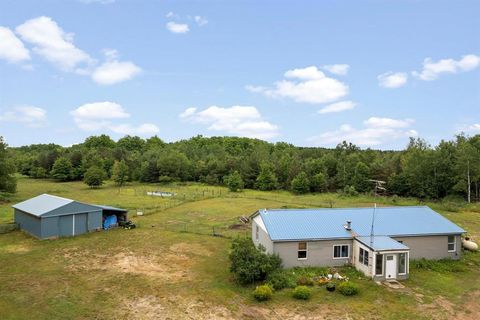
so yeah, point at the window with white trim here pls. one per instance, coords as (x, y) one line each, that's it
(452, 246)
(256, 232)
(402, 263)
(302, 250)
(341, 251)
(363, 256)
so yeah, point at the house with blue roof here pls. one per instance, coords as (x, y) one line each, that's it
(378, 241)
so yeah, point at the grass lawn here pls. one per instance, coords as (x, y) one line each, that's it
(153, 273)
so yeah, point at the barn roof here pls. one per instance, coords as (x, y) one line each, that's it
(45, 203)
(301, 224)
(42, 204)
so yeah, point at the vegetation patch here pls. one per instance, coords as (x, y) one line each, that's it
(348, 288)
(302, 293)
(263, 293)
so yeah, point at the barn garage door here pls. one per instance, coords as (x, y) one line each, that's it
(65, 226)
(81, 223)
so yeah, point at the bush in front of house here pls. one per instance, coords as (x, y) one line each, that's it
(249, 264)
(279, 280)
(348, 288)
(302, 293)
(305, 281)
(263, 293)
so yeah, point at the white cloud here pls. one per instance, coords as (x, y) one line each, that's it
(311, 86)
(53, 44)
(177, 27)
(243, 121)
(146, 129)
(432, 70)
(472, 128)
(112, 72)
(171, 15)
(338, 107)
(11, 48)
(376, 131)
(98, 116)
(338, 69)
(29, 115)
(392, 80)
(201, 21)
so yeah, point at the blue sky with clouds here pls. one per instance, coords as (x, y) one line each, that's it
(312, 73)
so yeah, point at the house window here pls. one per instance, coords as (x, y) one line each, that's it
(379, 264)
(402, 263)
(302, 250)
(341, 251)
(256, 232)
(363, 256)
(451, 244)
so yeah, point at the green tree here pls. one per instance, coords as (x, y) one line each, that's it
(8, 183)
(94, 177)
(318, 182)
(301, 184)
(360, 178)
(120, 173)
(266, 179)
(62, 169)
(249, 264)
(234, 181)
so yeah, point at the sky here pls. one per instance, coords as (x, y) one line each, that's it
(311, 73)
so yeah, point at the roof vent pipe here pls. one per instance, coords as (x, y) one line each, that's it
(349, 225)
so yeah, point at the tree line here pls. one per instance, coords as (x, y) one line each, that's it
(451, 168)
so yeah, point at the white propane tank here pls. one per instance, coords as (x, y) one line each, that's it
(469, 244)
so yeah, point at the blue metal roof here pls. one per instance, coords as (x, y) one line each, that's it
(381, 243)
(42, 204)
(297, 224)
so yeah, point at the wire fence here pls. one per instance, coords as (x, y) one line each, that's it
(231, 231)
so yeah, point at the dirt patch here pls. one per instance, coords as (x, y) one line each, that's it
(239, 226)
(16, 248)
(166, 266)
(190, 248)
(151, 307)
(471, 307)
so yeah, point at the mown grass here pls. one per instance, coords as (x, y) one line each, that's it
(67, 278)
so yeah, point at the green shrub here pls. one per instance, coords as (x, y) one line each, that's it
(348, 288)
(305, 281)
(444, 265)
(263, 293)
(249, 264)
(302, 293)
(279, 280)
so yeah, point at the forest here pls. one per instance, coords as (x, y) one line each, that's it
(449, 169)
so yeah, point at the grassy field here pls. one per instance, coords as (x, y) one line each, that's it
(154, 273)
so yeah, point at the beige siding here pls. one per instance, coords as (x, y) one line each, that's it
(263, 237)
(319, 253)
(430, 247)
(367, 270)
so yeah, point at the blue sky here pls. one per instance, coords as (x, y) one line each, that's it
(311, 73)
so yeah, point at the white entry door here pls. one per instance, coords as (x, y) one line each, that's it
(391, 266)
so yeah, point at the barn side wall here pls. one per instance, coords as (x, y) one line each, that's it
(50, 227)
(95, 220)
(28, 223)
